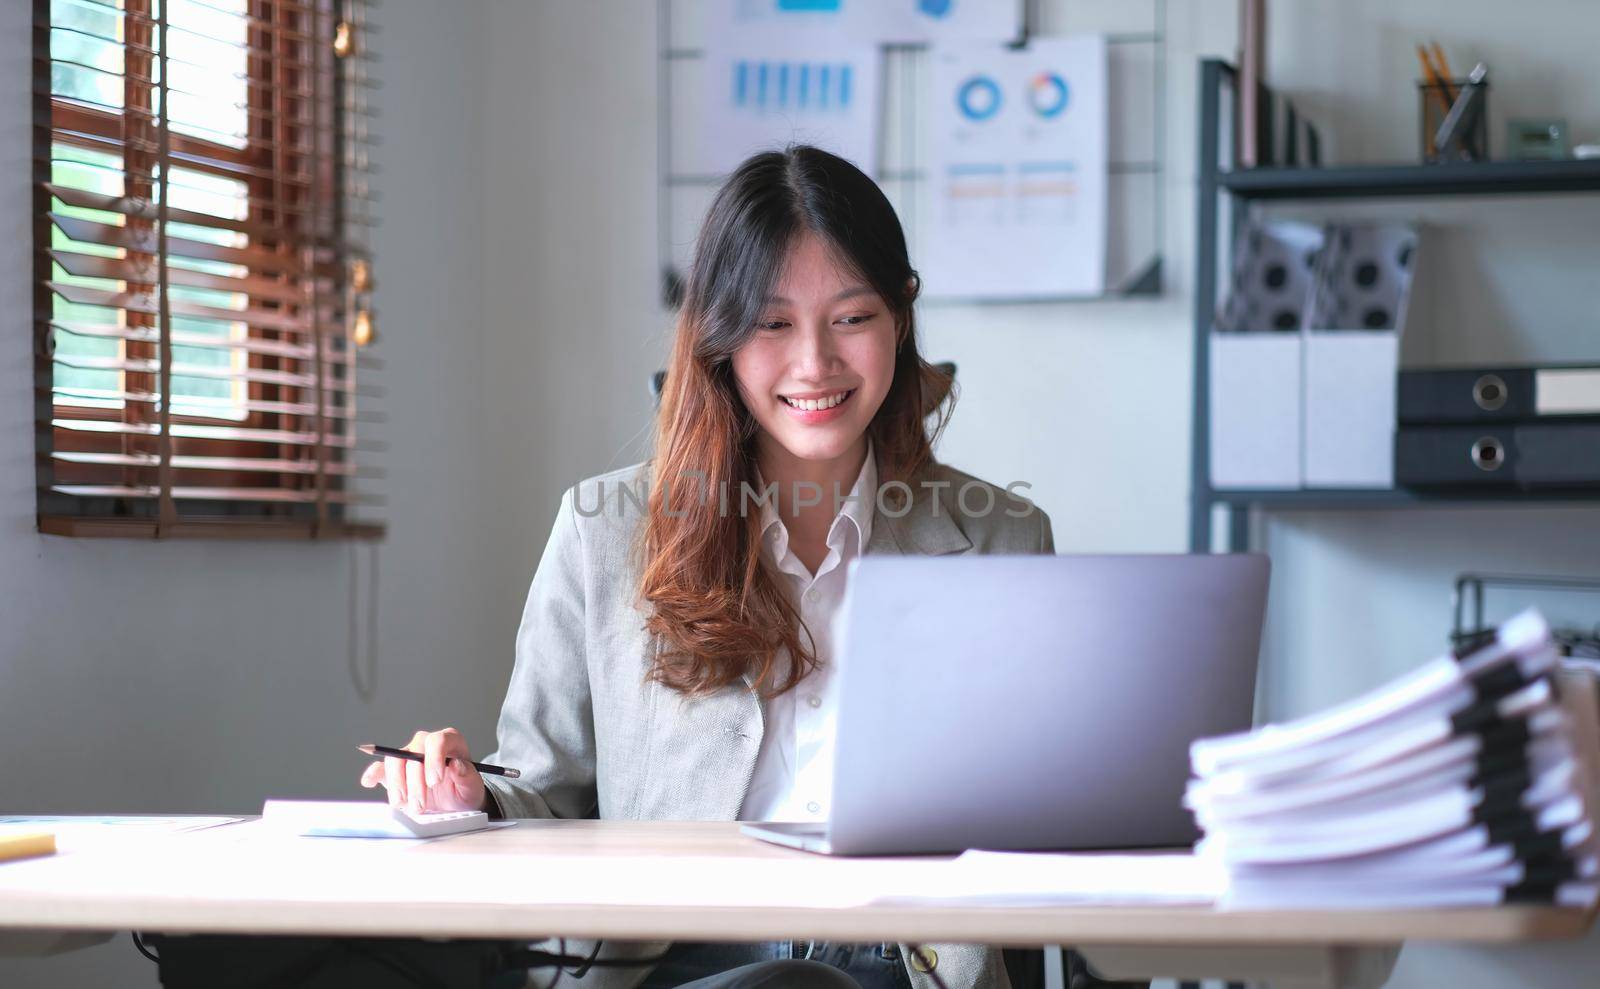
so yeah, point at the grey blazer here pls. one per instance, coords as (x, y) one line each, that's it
(595, 738)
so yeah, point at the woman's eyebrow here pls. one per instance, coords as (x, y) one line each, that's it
(849, 293)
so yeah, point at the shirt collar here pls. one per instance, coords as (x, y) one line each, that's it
(858, 508)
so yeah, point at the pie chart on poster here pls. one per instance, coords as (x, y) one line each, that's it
(1047, 94)
(978, 98)
(936, 8)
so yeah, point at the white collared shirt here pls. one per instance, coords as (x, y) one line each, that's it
(793, 778)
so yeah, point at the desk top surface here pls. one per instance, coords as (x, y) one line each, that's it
(704, 881)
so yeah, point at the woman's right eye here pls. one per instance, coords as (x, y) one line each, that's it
(771, 324)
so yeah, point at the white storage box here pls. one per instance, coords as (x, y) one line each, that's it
(1255, 410)
(1256, 356)
(1350, 408)
(1352, 355)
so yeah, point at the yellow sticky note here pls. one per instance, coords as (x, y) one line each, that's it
(26, 846)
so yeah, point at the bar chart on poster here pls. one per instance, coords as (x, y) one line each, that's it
(765, 93)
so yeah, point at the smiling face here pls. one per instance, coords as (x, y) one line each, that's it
(819, 361)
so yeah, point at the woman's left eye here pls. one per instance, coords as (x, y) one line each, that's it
(856, 320)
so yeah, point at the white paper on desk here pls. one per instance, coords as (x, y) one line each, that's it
(1378, 744)
(1436, 817)
(1045, 879)
(78, 832)
(1554, 770)
(1413, 896)
(1213, 805)
(1438, 688)
(263, 831)
(1403, 806)
(1493, 864)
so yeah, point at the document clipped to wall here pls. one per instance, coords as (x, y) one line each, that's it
(877, 21)
(1017, 171)
(920, 21)
(778, 73)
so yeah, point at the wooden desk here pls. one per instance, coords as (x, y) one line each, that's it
(572, 879)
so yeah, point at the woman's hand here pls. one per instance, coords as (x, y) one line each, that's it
(445, 781)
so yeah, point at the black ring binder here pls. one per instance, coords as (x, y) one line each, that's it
(1499, 681)
(1531, 893)
(1543, 845)
(1507, 787)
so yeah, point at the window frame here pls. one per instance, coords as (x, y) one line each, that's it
(284, 57)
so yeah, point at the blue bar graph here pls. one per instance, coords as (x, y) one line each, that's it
(770, 85)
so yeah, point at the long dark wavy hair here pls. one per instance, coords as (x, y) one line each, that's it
(717, 614)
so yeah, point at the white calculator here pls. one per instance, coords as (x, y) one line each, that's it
(365, 819)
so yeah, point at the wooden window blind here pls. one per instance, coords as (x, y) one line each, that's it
(203, 299)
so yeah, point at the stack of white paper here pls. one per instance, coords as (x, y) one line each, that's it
(1458, 784)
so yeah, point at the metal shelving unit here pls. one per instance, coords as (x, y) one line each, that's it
(1377, 181)
(1321, 498)
(1218, 185)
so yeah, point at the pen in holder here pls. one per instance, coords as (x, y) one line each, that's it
(1465, 100)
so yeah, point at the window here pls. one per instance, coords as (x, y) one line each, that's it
(203, 311)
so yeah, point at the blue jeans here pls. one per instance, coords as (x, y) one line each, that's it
(872, 966)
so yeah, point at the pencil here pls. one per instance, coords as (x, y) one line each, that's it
(1439, 60)
(25, 846)
(482, 767)
(1436, 77)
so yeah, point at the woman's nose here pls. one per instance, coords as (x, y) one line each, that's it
(815, 353)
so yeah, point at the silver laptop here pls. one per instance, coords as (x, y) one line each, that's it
(1031, 702)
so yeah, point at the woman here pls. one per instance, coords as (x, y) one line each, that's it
(674, 657)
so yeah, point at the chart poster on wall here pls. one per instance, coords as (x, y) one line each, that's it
(875, 21)
(763, 96)
(911, 21)
(1017, 171)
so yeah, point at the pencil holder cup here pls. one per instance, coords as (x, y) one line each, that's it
(1434, 105)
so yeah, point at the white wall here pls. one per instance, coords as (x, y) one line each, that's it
(213, 675)
(568, 234)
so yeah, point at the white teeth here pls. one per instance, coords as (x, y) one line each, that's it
(814, 404)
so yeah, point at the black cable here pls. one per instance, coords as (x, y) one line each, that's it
(561, 946)
(588, 962)
(138, 942)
